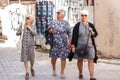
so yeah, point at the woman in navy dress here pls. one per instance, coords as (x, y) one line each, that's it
(62, 37)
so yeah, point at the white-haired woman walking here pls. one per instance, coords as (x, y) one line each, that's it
(28, 31)
(84, 33)
(62, 37)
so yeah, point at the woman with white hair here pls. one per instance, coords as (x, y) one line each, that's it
(61, 41)
(84, 33)
(27, 32)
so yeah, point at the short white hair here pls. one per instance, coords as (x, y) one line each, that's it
(30, 16)
(62, 11)
(84, 12)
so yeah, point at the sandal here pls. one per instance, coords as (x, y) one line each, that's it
(32, 72)
(54, 73)
(62, 76)
(27, 76)
(80, 76)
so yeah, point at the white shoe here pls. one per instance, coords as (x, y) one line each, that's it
(62, 76)
(54, 73)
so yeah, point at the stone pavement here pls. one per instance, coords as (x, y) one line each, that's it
(12, 69)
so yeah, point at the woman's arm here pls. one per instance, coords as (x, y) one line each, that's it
(93, 31)
(19, 32)
(75, 34)
(32, 30)
(69, 34)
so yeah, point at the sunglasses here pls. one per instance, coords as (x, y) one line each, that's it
(27, 18)
(84, 15)
(58, 12)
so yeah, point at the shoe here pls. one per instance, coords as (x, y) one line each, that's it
(54, 73)
(93, 79)
(32, 72)
(80, 76)
(27, 76)
(62, 76)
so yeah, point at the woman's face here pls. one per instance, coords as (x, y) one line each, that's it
(28, 20)
(59, 15)
(84, 18)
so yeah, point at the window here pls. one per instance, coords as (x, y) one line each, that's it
(90, 2)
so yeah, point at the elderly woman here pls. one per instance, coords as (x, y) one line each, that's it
(62, 39)
(27, 31)
(84, 33)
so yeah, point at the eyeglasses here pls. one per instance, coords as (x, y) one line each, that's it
(84, 15)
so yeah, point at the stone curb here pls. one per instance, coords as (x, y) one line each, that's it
(109, 61)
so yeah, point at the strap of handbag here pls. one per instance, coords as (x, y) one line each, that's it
(86, 32)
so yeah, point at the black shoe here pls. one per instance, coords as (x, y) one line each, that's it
(93, 79)
(80, 76)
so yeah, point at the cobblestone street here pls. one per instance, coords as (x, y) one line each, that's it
(12, 69)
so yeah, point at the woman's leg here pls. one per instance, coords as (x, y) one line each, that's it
(80, 65)
(31, 64)
(91, 67)
(53, 62)
(63, 64)
(31, 68)
(26, 66)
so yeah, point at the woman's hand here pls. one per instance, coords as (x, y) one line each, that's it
(21, 30)
(72, 48)
(52, 31)
(28, 27)
(91, 31)
(69, 42)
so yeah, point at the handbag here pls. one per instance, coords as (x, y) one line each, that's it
(82, 51)
(70, 55)
(49, 38)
